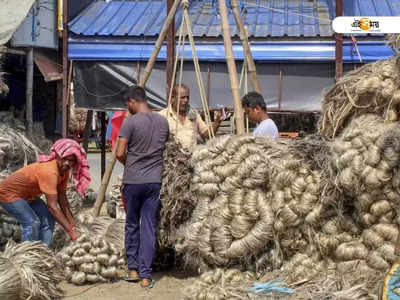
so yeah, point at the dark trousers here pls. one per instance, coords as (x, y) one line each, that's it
(142, 204)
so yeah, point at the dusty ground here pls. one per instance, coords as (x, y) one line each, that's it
(168, 286)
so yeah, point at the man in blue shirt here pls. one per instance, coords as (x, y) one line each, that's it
(256, 109)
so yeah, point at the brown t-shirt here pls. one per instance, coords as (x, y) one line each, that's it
(32, 181)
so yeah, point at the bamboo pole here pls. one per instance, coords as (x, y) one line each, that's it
(145, 76)
(230, 61)
(246, 47)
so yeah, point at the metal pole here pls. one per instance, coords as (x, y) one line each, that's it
(339, 43)
(86, 133)
(245, 42)
(143, 79)
(29, 91)
(65, 69)
(170, 47)
(233, 75)
(103, 142)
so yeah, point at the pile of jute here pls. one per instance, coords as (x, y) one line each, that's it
(30, 271)
(309, 208)
(371, 88)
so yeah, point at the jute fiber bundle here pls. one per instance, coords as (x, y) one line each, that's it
(372, 88)
(78, 116)
(16, 150)
(254, 195)
(29, 271)
(91, 259)
(220, 284)
(393, 40)
(3, 86)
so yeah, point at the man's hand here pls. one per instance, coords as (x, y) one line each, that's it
(74, 233)
(218, 117)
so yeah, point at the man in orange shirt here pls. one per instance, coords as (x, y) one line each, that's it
(20, 191)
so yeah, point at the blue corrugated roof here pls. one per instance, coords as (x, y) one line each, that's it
(264, 18)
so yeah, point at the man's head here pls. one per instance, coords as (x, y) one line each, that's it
(133, 96)
(65, 163)
(255, 107)
(181, 92)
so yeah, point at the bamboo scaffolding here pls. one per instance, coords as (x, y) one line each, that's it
(230, 61)
(246, 47)
(143, 80)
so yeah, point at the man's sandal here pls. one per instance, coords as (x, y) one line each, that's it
(130, 278)
(147, 283)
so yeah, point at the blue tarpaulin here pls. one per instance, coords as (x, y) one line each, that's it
(272, 51)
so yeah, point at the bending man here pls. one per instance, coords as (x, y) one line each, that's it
(140, 150)
(20, 191)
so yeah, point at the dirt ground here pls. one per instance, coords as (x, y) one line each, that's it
(168, 286)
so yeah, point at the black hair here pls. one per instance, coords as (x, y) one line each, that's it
(135, 92)
(254, 99)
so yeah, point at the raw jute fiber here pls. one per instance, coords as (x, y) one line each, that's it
(258, 202)
(372, 88)
(91, 259)
(29, 271)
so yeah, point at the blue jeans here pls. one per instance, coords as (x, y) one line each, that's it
(142, 204)
(36, 221)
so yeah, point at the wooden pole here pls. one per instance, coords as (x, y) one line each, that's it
(138, 71)
(339, 44)
(29, 92)
(103, 142)
(208, 83)
(65, 69)
(230, 61)
(170, 48)
(280, 90)
(145, 76)
(245, 42)
(89, 117)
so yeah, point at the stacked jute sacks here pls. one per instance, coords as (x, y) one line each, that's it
(29, 271)
(98, 254)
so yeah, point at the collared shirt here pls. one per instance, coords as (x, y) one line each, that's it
(186, 132)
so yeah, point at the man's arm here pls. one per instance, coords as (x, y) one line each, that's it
(122, 150)
(56, 212)
(64, 204)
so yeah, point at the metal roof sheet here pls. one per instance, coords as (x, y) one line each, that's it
(264, 18)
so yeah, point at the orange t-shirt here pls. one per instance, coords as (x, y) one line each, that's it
(32, 181)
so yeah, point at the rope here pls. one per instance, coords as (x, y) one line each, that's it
(243, 75)
(198, 74)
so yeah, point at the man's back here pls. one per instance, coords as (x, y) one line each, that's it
(147, 134)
